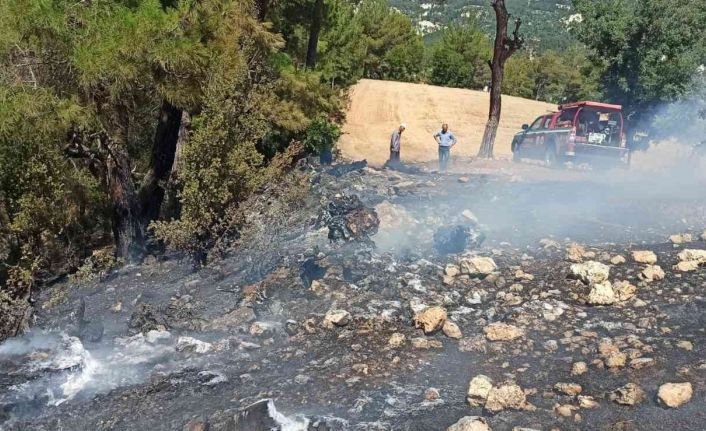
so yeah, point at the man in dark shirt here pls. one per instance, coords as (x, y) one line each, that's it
(395, 144)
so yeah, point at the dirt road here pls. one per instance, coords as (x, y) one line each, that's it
(377, 107)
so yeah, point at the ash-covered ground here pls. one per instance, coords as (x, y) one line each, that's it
(384, 300)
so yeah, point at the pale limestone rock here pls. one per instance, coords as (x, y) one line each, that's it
(644, 256)
(502, 332)
(431, 319)
(675, 394)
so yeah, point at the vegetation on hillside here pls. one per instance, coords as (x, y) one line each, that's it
(143, 124)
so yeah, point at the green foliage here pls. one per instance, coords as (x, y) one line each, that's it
(321, 134)
(459, 58)
(552, 77)
(651, 49)
(394, 50)
(341, 45)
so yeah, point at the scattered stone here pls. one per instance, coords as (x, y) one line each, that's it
(576, 253)
(452, 330)
(629, 395)
(652, 273)
(571, 389)
(470, 423)
(590, 272)
(233, 319)
(431, 319)
(397, 340)
(587, 402)
(617, 260)
(336, 318)
(616, 360)
(565, 410)
(578, 368)
(425, 343)
(478, 390)
(117, 307)
(681, 238)
(639, 363)
(452, 270)
(502, 332)
(477, 266)
(623, 290)
(675, 394)
(190, 344)
(687, 266)
(644, 256)
(686, 345)
(601, 294)
(508, 396)
(548, 244)
(468, 214)
(431, 394)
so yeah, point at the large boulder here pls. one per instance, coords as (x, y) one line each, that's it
(602, 294)
(652, 273)
(508, 396)
(675, 394)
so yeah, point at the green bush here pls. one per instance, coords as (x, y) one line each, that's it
(321, 135)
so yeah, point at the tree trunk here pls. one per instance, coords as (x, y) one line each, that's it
(504, 47)
(262, 6)
(127, 227)
(164, 147)
(171, 208)
(314, 30)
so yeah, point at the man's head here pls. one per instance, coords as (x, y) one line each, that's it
(402, 127)
(445, 127)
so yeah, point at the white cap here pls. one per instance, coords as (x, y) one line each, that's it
(403, 125)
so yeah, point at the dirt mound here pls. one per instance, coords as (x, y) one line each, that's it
(377, 107)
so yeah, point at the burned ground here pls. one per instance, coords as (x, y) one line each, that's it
(326, 328)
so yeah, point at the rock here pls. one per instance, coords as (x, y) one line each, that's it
(463, 180)
(686, 345)
(639, 363)
(452, 330)
(548, 244)
(431, 319)
(431, 394)
(233, 319)
(190, 344)
(616, 360)
(117, 307)
(478, 390)
(575, 253)
(687, 266)
(623, 290)
(578, 368)
(644, 256)
(455, 239)
(689, 255)
(587, 402)
(590, 272)
(629, 395)
(617, 260)
(571, 389)
(477, 266)
(336, 318)
(470, 423)
(508, 396)
(565, 410)
(468, 214)
(601, 294)
(318, 287)
(652, 273)
(681, 238)
(502, 332)
(397, 340)
(452, 270)
(675, 394)
(425, 343)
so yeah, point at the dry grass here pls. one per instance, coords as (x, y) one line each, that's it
(377, 108)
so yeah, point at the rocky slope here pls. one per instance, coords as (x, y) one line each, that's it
(347, 311)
